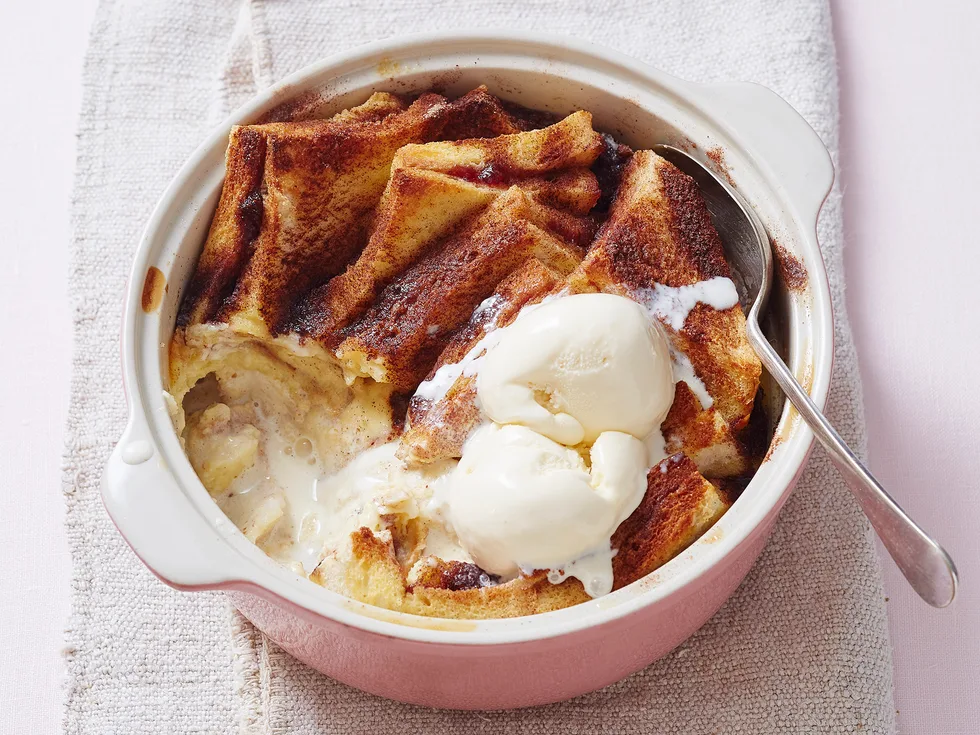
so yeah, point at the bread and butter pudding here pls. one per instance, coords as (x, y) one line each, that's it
(456, 358)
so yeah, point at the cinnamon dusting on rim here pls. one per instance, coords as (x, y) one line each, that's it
(776, 441)
(791, 269)
(441, 82)
(806, 380)
(717, 156)
(295, 108)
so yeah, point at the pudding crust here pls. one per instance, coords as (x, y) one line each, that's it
(352, 258)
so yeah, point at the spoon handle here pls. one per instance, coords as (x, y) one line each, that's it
(925, 564)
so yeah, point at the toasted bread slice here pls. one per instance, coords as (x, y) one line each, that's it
(376, 577)
(434, 189)
(400, 338)
(501, 161)
(679, 506)
(659, 232)
(295, 209)
(478, 114)
(704, 436)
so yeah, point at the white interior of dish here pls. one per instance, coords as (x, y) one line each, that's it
(640, 107)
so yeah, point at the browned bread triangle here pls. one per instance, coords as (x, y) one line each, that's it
(350, 259)
(435, 189)
(659, 232)
(295, 209)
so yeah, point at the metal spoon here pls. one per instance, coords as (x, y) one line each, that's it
(925, 563)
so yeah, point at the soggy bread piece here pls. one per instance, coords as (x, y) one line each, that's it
(265, 518)
(219, 448)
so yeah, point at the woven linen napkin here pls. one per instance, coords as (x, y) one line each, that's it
(802, 646)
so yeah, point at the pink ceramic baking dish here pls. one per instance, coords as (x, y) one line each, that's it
(168, 518)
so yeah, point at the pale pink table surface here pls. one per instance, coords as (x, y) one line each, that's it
(910, 75)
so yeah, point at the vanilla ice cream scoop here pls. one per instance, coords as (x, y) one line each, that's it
(577, 366)
(518, 500)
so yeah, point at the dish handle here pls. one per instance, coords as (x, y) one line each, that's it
(161, 524)
(778, 138)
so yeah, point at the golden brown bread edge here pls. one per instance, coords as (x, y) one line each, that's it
(403, 333)
(438, 429)
(678, 507)
(657, 231)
